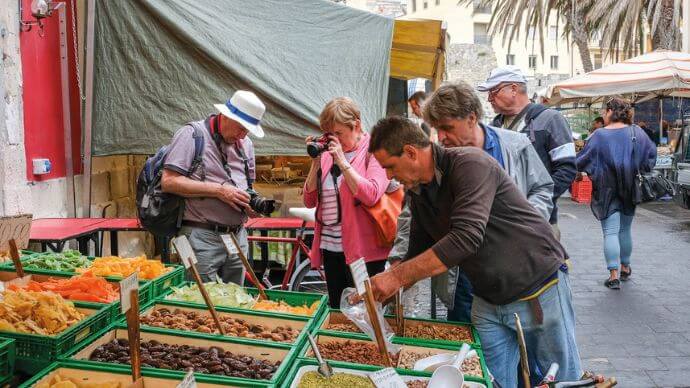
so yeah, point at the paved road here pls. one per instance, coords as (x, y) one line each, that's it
(640, 334)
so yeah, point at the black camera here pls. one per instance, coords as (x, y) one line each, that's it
(262, 205)
(316, 147)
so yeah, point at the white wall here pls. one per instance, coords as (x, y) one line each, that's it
(13, 189)
(17, 195)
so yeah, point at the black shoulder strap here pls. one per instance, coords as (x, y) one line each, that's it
(319, 196)
(198, 136)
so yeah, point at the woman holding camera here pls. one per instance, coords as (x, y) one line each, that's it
(342, 180)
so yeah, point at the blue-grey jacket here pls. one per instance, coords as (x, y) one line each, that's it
(522, 163)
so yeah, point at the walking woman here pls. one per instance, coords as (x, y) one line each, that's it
(341, 181)
(611, 158)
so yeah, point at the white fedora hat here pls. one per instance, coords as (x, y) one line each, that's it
(245, 108)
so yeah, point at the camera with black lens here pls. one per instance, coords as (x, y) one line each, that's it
(262, 205)
(318, 146)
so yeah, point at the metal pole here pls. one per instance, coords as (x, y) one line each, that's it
(66, 114)
(686, 26)
(661, 118)
(88, 110)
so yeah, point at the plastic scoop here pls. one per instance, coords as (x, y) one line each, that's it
(431, 363)
(450, 376)
(324, 369)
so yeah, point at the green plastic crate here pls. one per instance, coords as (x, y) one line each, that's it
(291, 298)
(174, 379)
(404, 373)
(320, 327)
(347, 336)
(7, 356)
(174, 277)
(145, 292)
(286, 363)
(245, 314)
(33, 351)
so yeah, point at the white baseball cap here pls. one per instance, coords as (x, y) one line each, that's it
(501, 75)
(245, 108)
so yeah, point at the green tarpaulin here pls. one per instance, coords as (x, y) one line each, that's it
(162, 63)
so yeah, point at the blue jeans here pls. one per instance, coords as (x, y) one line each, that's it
(552, 341)
(462, 305)
(617, 240)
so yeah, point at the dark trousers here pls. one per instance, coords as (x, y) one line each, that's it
(339, 277)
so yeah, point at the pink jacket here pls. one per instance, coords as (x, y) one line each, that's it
(359, 235)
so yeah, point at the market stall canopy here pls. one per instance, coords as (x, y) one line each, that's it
(418, 49)
(659, 73)
(160, 64)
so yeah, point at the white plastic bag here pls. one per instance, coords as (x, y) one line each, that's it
(358, 314)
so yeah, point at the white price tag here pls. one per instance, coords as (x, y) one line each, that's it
(229, 244)
(189, 381)
(184, 249)
(128, 284)
(359, 274)
(387, 378)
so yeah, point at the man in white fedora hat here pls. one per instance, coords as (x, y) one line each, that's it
(217, 185)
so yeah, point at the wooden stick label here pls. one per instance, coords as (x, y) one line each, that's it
(184, 249)
(387, 378)
(359, 274)
(189, 381)
(127, 285)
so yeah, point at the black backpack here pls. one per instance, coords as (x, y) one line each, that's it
(161, 213)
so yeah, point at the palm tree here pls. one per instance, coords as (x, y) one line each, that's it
(509, 17)
(622, 23)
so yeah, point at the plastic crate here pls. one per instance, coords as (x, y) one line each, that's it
(145, 292)
(251, 316)
(582, 190)
(175, 277)
(152, 378)
(303, 359)
(33, 351)
(338, 316)
(288, 353)
(291, 298)
(7, 355)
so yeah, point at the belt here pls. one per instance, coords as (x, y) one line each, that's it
(213, 227)
(533, 299)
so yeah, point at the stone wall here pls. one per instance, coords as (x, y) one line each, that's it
(14, 192)
(471, 63)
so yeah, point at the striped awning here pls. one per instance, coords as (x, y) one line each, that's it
(659, 73)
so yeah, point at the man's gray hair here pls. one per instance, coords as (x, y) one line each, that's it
(452, 101)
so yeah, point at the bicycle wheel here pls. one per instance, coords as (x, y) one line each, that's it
(308, 280)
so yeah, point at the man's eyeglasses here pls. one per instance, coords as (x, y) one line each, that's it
(495, 91)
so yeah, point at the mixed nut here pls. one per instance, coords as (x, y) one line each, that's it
(204, 323)
(355, 352)
(470, 366)
(348, 327)
(440, 332)
(213, 360)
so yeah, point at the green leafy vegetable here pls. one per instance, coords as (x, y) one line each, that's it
(227, 295)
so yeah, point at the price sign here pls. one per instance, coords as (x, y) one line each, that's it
(359, 274)
(387, 378)
(229, 244)
(184, 249)
(189, 381)
(127, 285)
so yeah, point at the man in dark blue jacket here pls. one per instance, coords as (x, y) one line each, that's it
(546, 128)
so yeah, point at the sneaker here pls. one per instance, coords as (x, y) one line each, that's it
(614, 284)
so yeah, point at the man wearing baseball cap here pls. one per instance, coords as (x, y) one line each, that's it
(215, 192)
(547, 129)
